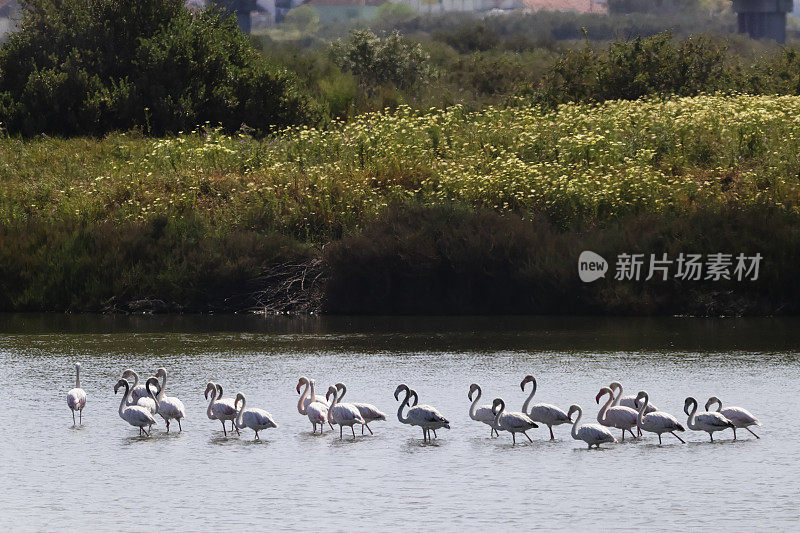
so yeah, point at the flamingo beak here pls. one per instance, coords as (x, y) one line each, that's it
(597, 398)
(297, 388)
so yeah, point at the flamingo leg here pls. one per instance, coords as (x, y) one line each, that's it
(623, 435)
(435, 436)
(712, 436)
(424, 435)
(552, 437)
(179, 426)
(323, 425)
(80, 417)
(257, 437)
(756, 436)
(677, 437)
(659, 438)
(340, 432)
(354, 431)
(734, 433)
(529, 439)
(513, 438)
(631, 432)
(224, 431)
(73, 418)
(166, 421)
(370, 431)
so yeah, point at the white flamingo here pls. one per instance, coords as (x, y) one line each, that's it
(741, 418)
(225, 401)
(316, 411)
(169, 407)
(627, 401)
(424, 416)
(619, 417)
(514, 422)
(137, 391)
(658, 421)
(255, 419)
(484, 412)
(151, 402)
(76, 397)
(133, 414)
(708, 421)
(344, 414)
(544, 413)
(369, 412)
(591, 434)
(217, 410)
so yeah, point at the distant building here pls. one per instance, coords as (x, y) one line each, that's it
(336, 10)
(763, 19)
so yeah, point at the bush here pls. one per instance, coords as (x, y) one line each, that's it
(89, 67)
(376, 61)
(645, 66)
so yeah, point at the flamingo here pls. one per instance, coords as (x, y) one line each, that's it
(218, 410)
(137, 391)
(316, 411)
(544, 413)
(484, 412)
(169, 407)
(741, 418)
(133, 414)
(591, 434)
(658, 421)
(514, 422)
(369, 412)
(344, 414)
(627, 401)
(619, 417)
(151, 402)
(226, 401)
(708, 421)
(255, 419)
(76, 397)
(424, 416)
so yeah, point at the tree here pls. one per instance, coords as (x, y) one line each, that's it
(375, 61)
(80, 67)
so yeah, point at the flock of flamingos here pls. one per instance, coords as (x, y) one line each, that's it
(140, 404)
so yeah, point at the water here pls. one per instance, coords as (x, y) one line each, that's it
(102, 475)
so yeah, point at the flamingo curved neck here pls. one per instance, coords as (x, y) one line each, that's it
(642, 409)
(78, 377)
(124, 399)
(241, 412)
(498, 415)
(400, 409)
(209, 411)
(135, 379)
(313, 397)
(153, 396)
(529, 398)
(330, 409)
(301, 407)
(691, 421)
(474, 407)
(341, 393)
(575, 424)
(602, 414)
(616, 394)
(162, 387)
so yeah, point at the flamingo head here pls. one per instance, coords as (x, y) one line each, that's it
(688, 404)
(121, 383)
(572, 409)
(239, 398)
(604, 390)
(210, 389)
(128, 373)
(161, 372)
(641, 396)
(472, 389)
(78, 366)
(527, 379)
(331, 392)
(498, 405)
(400, 388)
(153, 382)
(712, 401)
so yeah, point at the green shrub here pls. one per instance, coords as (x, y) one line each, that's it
(377, 61)
(89, 67)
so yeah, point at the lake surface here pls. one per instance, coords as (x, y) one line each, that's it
(103, 476)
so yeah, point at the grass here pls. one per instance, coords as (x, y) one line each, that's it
(240, 204)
